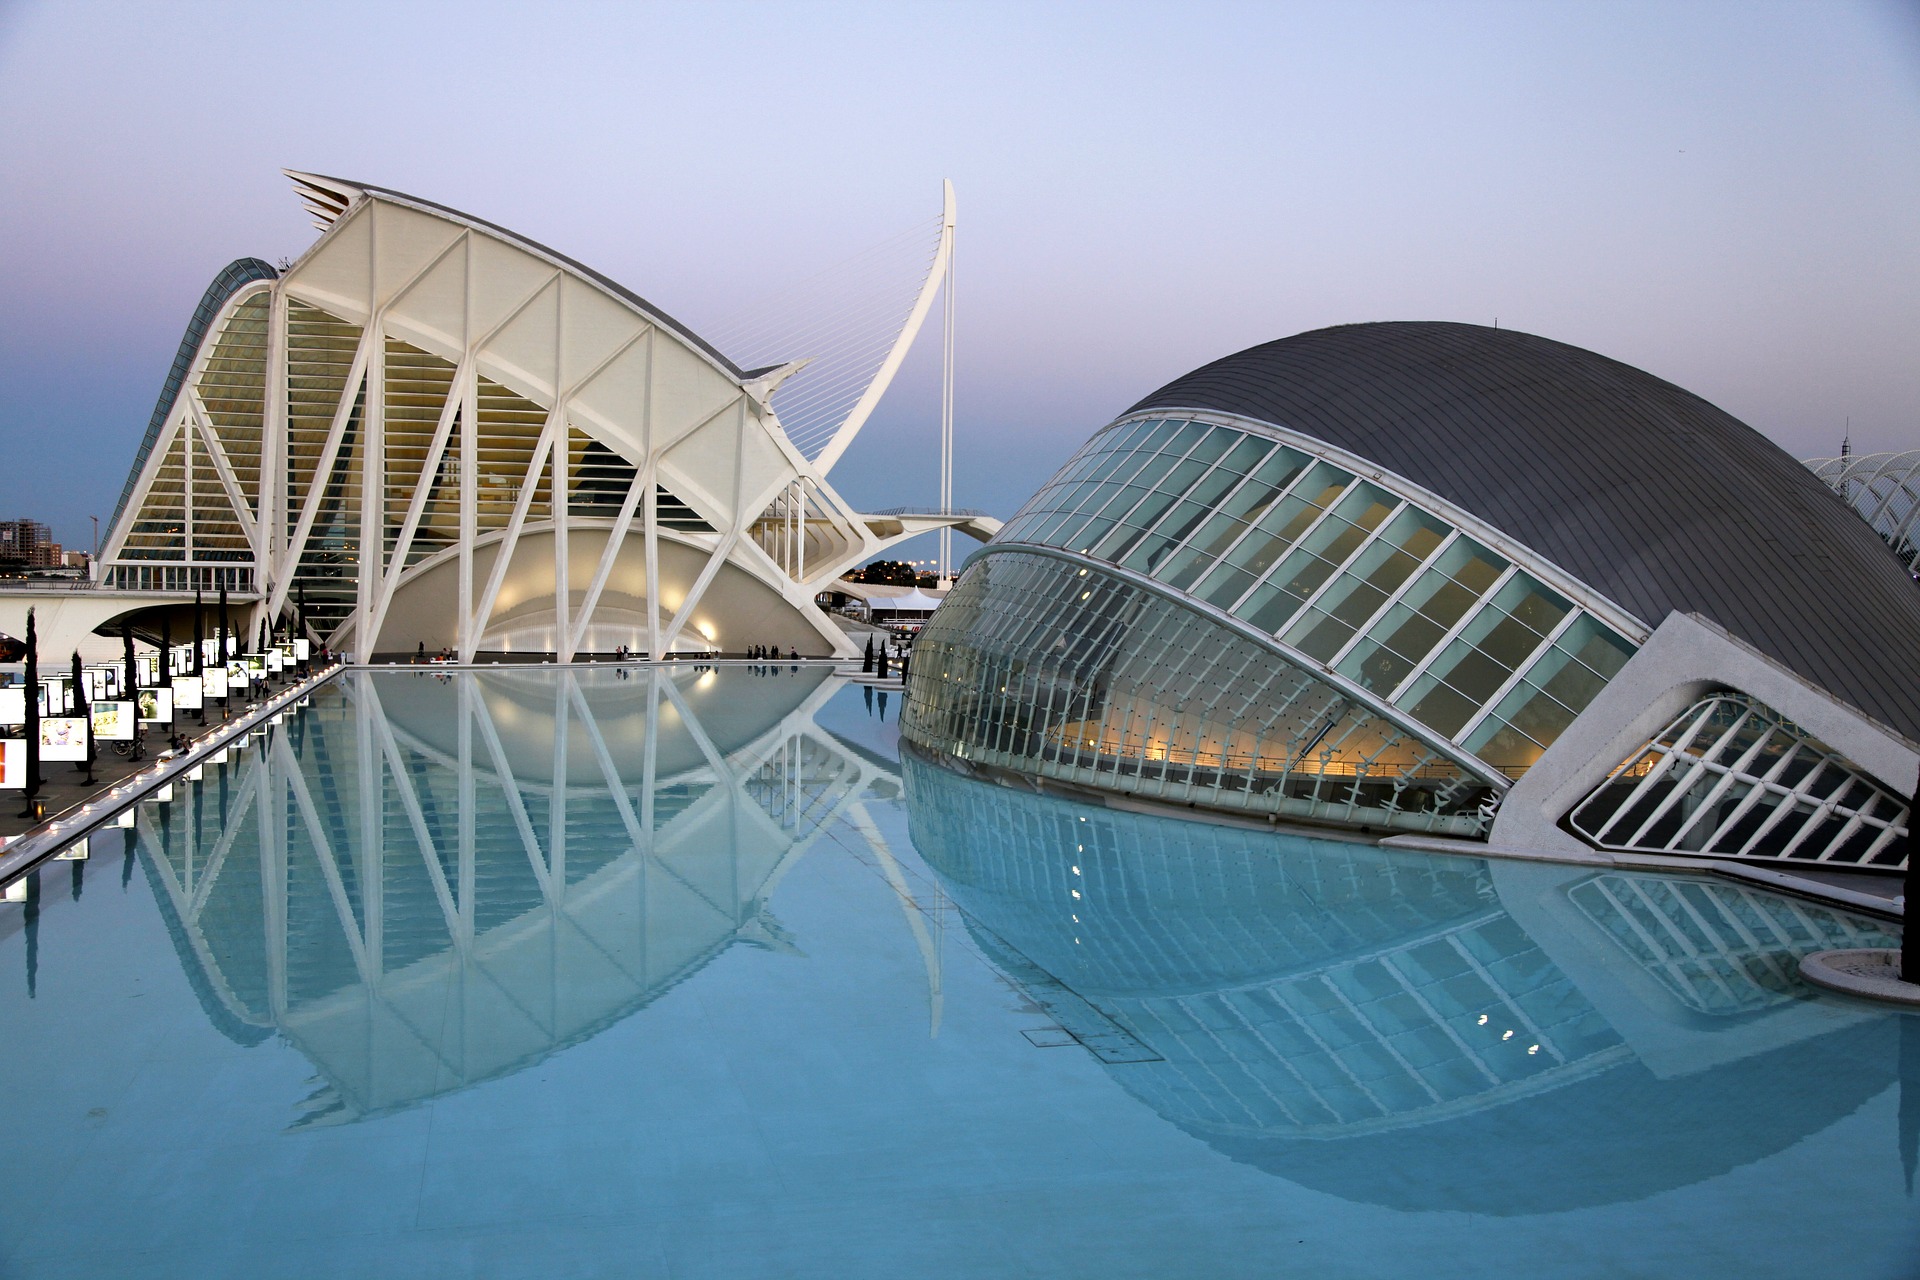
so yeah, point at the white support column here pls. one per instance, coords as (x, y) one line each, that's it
(650, 524)
(575, 626)
(422, 491)
(186, 433)
(322, 472)
(271, 501)
(649, 480)
(464, 638)
(503, 555)
(224, 470)
(562, 467)
(468, 391)
(946, 420)
(373, 497)
(742, 518)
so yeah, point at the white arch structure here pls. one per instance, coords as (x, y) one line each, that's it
(1885, 489)
(436, 432)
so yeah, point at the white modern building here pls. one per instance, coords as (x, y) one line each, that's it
(430, 431)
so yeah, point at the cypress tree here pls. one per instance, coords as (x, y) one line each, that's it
(86, 712)
(33, 714)
(199, 657)
(133, 679)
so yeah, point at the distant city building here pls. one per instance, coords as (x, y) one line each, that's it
(29, 547)
(1446, 579)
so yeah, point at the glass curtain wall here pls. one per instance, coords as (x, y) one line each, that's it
(1040, 665)
(1342, 571)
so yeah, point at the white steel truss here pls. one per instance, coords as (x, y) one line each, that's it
(1885, 489)
(1732, 778)
(431, 432)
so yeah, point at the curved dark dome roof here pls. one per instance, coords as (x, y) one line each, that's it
(1646, 492)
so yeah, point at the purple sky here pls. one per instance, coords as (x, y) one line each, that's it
(1725, 195)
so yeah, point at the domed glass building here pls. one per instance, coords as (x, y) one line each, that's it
(1448, 579)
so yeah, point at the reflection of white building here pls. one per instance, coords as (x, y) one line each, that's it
(462, 874)
(435, 431)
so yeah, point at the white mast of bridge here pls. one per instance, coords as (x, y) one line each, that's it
(946, 388)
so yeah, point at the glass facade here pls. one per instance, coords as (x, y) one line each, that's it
(1339, 569)
(1046, 666)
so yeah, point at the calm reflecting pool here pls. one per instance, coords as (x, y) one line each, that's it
(688, 973)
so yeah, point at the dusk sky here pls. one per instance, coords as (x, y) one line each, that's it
(1726, 195)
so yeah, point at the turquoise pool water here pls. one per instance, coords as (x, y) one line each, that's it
(548, 974)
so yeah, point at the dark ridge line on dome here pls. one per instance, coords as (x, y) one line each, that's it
(1646, 492)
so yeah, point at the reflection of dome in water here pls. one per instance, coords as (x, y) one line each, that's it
(1370, 1023)
(428, 928)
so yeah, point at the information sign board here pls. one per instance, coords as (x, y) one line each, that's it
(186, 693)
(112, 721)
(63, 738)
(156, 705)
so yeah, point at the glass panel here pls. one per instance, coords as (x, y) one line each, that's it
(1216, 443)
(1464, 572)
(1526, 723)
(1210, 490)
(1157, 700)
(1183, 438)
(1180, 571)
(1148, 553)
(1499, 639)
(1269, 608)
(1246, 455)
(1220, 532)
(1282, 469)
(1225, 585)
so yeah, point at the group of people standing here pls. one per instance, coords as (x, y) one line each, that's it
(766, 652)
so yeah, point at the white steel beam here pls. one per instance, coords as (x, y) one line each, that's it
(322, 470)
(224, 470)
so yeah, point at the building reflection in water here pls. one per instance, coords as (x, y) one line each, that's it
(1419, 1031)
(427, 881)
